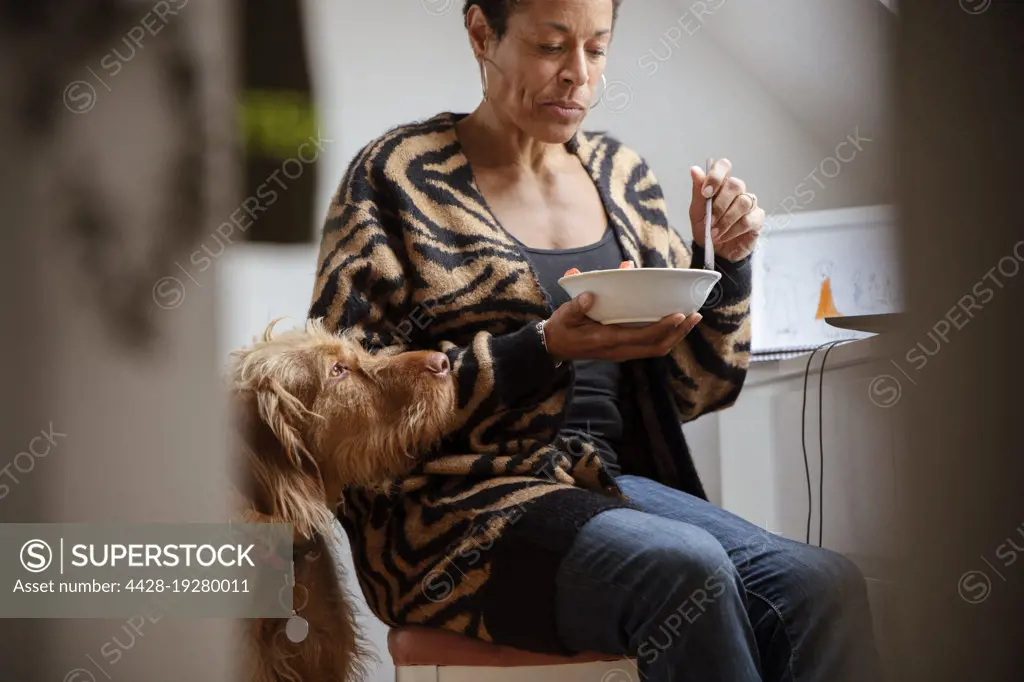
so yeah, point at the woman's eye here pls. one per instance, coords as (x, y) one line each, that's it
(551, 49)
(597, 53)
(338, 370)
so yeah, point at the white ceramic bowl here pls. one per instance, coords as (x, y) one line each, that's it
(639, 296)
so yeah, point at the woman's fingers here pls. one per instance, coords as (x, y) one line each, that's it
(687, 326)
(618, 336)
(749, 225)
(740, 247)
(732, 189)
(648, 351)
(705, 185)
(650, 341)
(586, 339)
(744, 215)
(716, 178)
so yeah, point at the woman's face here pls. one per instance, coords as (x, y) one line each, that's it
(545, 72)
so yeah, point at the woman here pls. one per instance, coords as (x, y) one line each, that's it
(564, 512)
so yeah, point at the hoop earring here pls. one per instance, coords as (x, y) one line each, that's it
(604, 89)
(483, 79)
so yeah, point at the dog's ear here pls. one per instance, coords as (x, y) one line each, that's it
(280, 477)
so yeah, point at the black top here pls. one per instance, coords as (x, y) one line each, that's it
(594, 409)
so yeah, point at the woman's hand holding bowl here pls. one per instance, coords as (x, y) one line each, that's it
(736, 224)
(571, 335)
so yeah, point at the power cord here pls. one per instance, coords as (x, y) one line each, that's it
(821, 440)
(803, 444)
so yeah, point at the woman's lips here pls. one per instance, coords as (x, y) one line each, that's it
(565, 110)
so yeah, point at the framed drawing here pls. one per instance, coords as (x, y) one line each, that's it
(820, 264)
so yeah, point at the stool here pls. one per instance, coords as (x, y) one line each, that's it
(432, 655)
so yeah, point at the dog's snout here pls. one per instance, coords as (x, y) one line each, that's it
(437, 363)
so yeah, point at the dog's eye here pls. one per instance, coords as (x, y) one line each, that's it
(338, 370)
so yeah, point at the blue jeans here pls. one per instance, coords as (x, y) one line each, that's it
(697, 594)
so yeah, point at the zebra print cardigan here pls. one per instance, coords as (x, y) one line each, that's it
(412, 258)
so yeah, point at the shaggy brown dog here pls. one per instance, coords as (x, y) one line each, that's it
(320, 413)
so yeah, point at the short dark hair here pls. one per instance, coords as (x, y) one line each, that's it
(498, 12)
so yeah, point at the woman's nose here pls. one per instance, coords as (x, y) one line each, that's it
(575, 72)
(437, 363)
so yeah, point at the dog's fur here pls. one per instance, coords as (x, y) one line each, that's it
(318, 413)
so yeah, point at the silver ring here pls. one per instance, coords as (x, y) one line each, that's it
(753, 200)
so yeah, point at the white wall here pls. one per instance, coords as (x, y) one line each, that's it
(774, 91)
(377, 65)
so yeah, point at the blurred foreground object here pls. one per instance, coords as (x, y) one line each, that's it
(962, 480)
(116, 128)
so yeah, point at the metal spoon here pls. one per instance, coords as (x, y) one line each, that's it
(709, 248)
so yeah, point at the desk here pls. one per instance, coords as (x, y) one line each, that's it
(762, 468)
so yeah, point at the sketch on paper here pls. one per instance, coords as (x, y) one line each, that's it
(858, 292)
(844, 267)
(783, 291)
(881, 294)
(826, 304)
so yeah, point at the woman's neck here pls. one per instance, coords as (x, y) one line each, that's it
(496, 143)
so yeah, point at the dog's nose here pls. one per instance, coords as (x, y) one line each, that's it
(437, 363)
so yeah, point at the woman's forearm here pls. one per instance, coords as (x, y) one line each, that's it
(708, 368)
(362, 285)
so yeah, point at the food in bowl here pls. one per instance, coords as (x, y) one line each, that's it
(640, 296)
(576, 271)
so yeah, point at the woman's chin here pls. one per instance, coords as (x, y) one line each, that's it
(554, 132)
